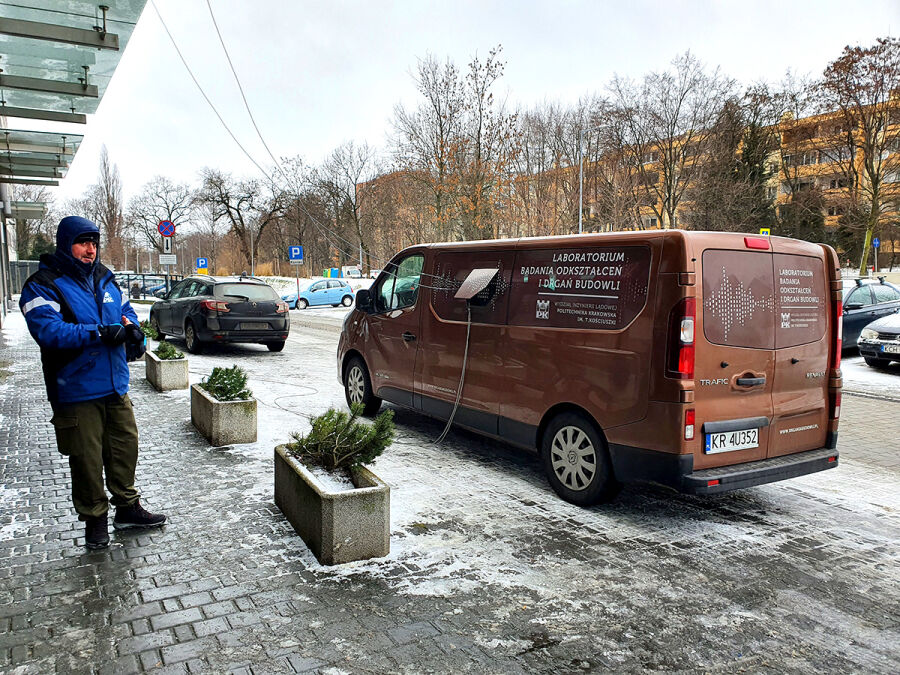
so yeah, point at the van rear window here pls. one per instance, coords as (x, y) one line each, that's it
(761, 300)
(602, 287)
(801, 301)
(738, 298)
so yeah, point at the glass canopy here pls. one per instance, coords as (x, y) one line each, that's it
(59, 61)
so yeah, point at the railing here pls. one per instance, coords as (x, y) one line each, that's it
(145, 286)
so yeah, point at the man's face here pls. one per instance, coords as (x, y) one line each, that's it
(85, 251)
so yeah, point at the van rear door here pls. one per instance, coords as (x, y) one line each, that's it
(735, 355)
(802, 344)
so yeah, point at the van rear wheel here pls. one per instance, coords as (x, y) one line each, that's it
(358, 387)
(576, 461)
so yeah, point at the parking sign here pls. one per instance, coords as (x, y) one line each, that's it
(202, 263)
(295, 254)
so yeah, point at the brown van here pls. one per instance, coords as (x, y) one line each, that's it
(703, 361)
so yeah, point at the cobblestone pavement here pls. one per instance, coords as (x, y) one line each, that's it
(488, 570)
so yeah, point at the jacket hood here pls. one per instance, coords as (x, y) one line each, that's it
(69, 228)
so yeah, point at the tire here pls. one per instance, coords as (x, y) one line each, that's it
(576, 461)
(154, 322)
(302, 304)
(275, 346)
(876, 363)
(346, 301)
(191, 341)
(358, 387)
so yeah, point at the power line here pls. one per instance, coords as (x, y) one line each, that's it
(241, 89)
(191, 73)
(326, 231)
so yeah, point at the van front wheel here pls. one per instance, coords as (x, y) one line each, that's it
(358, 387)
(577, 462)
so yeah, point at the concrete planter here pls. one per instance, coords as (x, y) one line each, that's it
(166, 375)
(338, 527)
(223, 422)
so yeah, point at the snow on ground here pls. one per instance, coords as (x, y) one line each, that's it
(862, 379)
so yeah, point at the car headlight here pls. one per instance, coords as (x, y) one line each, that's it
(868, 334)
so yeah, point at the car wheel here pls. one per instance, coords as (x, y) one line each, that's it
(190, 339)
(347, 301)
(358, 387)
(275, 346)
(302, 304)
(154, 323)
(577, 462)
(876, 363)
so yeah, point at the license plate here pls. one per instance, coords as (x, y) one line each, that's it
(891, 349)
(254, 326)
(732, 440)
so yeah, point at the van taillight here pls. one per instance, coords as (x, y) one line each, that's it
(835, 405)
(681, 340)
(839, 339)
(215, 306)
(689, 417)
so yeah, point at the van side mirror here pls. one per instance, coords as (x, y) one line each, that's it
(364, 300)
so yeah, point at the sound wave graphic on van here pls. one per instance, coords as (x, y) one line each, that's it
(734, 304)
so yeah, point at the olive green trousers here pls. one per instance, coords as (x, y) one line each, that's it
(99, 437)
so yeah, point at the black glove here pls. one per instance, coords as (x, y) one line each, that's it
(112, 335)
(134, 334)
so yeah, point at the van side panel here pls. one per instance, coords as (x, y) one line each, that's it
(578, 331)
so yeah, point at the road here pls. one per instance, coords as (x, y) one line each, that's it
(488, 571)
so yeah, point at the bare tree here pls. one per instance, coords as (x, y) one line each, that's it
(344, 177)
(666, 124)
(104, 204)
(248, 206)
(34, 236)
(159, 200)
(862, 86)
(427, 138)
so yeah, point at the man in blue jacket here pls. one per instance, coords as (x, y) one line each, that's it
(76, 313)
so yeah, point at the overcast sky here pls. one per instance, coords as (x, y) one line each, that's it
(319, 73)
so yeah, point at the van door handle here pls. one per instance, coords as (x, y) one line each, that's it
(750, 381)
(408, 337)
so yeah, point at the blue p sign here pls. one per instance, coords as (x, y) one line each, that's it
(202, 263)
(295, 253)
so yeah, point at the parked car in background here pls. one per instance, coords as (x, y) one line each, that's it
(864, 301)
(204, 309)
(373, 274)
(879, 342)
(332, 292)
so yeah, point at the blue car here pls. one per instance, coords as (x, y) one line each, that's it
(332, 292)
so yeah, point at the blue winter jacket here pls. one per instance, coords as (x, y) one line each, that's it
(77, 365)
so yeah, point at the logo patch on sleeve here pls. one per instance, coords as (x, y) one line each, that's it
(107, 298)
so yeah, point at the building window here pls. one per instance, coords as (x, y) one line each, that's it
(835, 210)
(837, 183)
(650, 157)
(836, 154)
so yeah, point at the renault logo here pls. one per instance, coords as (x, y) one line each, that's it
(254, 304)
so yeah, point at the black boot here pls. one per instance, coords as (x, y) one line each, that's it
(134, 515)
(96, 532)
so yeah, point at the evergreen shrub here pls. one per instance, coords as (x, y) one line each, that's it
(227, 384)
(167, 352)
(339, 440)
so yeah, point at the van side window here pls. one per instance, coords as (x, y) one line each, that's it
(399, 288)
(451, 268)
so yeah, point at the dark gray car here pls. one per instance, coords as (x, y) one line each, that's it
(864, 302)
(204, 309)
